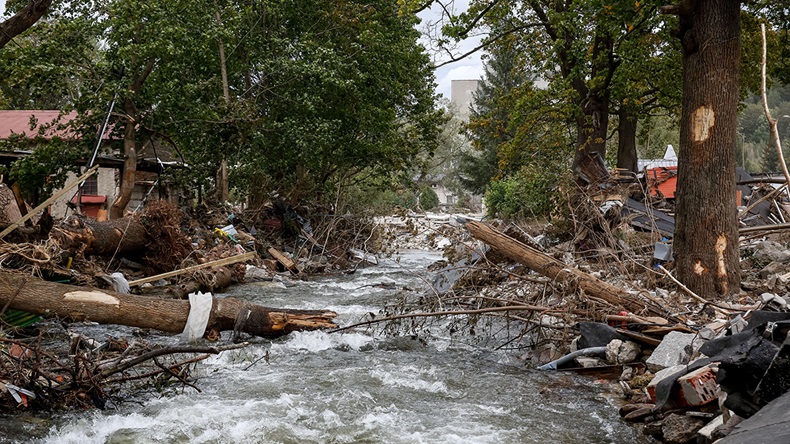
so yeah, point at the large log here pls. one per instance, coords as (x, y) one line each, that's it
(126, 235)
(548, 266)
(69, 302)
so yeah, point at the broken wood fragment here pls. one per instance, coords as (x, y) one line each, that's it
(287, 262)
(74, 303)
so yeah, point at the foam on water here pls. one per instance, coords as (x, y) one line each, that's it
(315, 341)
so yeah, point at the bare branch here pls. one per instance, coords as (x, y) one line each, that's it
(771, 120)
(484, 44)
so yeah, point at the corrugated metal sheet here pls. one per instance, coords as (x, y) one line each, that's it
(663, 181)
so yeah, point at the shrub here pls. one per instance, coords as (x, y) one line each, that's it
(428, 199)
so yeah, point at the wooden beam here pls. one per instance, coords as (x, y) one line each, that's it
(48, 202)
(217, 263)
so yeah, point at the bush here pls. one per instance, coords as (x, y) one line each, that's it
(428, 199)
(527, 193)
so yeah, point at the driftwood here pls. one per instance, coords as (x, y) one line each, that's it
(550, 267)
(21, 292)
(217, 263)
(126, 235)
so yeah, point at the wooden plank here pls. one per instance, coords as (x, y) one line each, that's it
(287, 262)
(217, 263)
(49, 201)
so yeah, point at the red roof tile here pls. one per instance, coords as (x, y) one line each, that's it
(18, 122)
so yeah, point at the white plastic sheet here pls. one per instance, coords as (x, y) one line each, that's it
(199, 311)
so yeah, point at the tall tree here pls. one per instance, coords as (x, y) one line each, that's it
(706, 234)
(24, 18)
(489, 120)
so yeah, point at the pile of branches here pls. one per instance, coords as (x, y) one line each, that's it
(39, 373)
(168, 246)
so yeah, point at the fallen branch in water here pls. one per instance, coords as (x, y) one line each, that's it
(107, 307)
(448, 313)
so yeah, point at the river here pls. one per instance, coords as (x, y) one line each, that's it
(351, 387)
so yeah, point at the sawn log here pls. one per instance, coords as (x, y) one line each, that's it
(554, 269)
(21, 292)
(126, 235)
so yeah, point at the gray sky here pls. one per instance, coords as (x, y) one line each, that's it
(470, 68)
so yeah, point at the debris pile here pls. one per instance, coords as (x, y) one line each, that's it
(86, 269)
(690, 369)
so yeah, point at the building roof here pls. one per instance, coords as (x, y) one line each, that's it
(670, 159)
(19, 122)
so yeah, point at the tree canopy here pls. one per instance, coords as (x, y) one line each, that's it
(318, 92)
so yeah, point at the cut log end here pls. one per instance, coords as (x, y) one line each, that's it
(271, 323)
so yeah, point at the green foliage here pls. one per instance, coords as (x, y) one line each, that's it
(489, 122)
(655, 133)
(48, 165)
(379, 196)
(429, 200)
(528, 193)
(320, 92)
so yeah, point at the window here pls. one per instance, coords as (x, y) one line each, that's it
(91, 186)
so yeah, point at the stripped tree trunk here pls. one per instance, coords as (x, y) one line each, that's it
(548, 266)
(73, 303)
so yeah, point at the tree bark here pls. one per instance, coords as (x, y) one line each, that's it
(130, 141)
(554, 269)
(22, 20)
(73, 303)
(125, 235)
(626, 140)
(129, 162)
(706, 231)
(591, 134)
(592, 125)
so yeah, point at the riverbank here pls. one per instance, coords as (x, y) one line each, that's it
(678, 338)
(369, 385)
(484, 299)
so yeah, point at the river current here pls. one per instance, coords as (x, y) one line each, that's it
(351, 387)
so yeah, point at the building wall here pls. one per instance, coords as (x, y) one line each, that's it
(461, 96)
(106, 185)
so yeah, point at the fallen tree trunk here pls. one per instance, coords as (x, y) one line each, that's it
(548, 266)
(126, 235)
(21, 292)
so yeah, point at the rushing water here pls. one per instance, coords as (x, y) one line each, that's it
(315, 387)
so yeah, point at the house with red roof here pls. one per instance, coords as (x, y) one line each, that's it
(100, 190)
